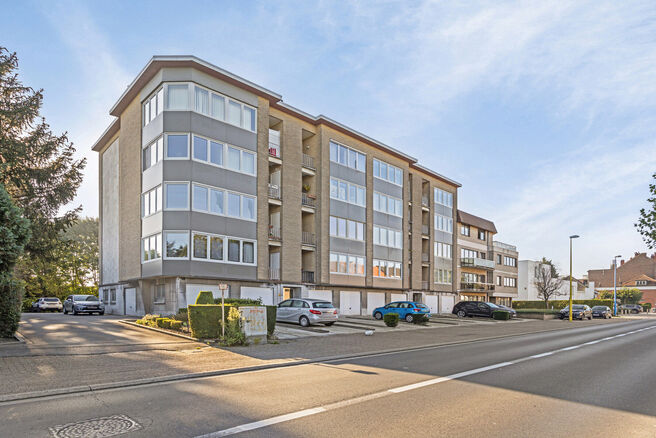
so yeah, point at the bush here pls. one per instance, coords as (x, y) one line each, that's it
(205, 297)
(233, 333)
(140, 322)
(11, 296)
(182, 315)
(501, 315)
(391, 319)
(239, 301)
(271, 319)
(559, 304)
(205, 320)
(646, 307)
(176, 325)
(150, 320)
(419, 319)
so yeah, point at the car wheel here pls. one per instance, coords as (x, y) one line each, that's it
(461, 313)
(378, 315)
(65, 311)
(304, 321)
(589, 318)
(74, 311)
(101, 313)
(328, 324)
(409, 318)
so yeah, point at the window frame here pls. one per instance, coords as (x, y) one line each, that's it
(143, 248)
(165, 206)
(165, 239)
(358, 155)
(224, 155)
(166, 145)
(225, 193)
(389, 166)
(336, 256)
(225, 239)
(159, 196)
(348, 186)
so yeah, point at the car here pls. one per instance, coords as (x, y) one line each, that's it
(307, 311)
(579, 311)
(406, 310)
(478, 308)
(633, 308)
(602, 312)
(47, 304)
(83, 304)
(513, 313)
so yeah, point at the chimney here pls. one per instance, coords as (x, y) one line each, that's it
(621, 262)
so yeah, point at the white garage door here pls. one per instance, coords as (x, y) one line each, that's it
(192, 290)
(431, 301)
(321, 295)
(349, 303)
(399, 297)
(254, 293)
(374, 299)
(447, 303)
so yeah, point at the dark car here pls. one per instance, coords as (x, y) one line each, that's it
(513, 314)
(579, 311)
(83, 304)
(476, 308)
(602, 312)
(633, 308)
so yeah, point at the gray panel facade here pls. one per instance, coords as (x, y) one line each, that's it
(388, 221)
(194, 268)
(347, 246)
(209, 223)
(151, 224)
(152, 130)
(441, 236)
(348, 211)
(189, 170)
(385, 253)
(152, 177)
(188, 121)
(347, 174)
(443, 210)
(382, 186)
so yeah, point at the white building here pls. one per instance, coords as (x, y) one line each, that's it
(527, 291)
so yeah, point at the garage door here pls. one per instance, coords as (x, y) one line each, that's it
(349, 303)
(254, 293)
(399, 297)
(431, 301)
(374, 299)
(447, 303)
(321, 295)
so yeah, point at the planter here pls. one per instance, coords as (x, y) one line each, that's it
(537, 315)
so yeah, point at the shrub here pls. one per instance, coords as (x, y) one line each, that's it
(150, 320)
(176, 325)
(182, 315)
(559, 304)
(271, 319)
(27, 305)
(205, 297)
(160, 322)
(205, 320)
(419, 319)
(646, 307)
(239, 301)
(11, 294)
(391, 319)
(501, 315)
(233, 332)
(140, 322)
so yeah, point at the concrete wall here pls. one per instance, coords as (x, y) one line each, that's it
(110, 238)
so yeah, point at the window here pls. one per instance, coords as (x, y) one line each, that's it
(509, 282)
(249, 119)
(388, 172)
(202, 101)
(481, 235)
(443, 197)
(347, 192)
(386, 269)
(233, 250)
(200, 246)
(212, 152)
(200, 148)
(346, 264)
(177, 196)
(468, 253)
(234, 113)
(216, 248)
(247, 207)
(216, 153)
(151, 248)
(387, 237)
(216, 201)
(388, 204)
(177, 97)
(153, 153)
(200, 195)
(177, 244)
(218, 106)
(153, 106)
(499, 259)
(151, 201)
(177, 146)
(443, 276)
(499, 280)
(248, 252)
(160, 293)
(509, 261)
(105, 296)
(346, 229)
(443, 250)
(443, 223)
(347, 157)
(464, 230)
(233, 204)
(209, 247)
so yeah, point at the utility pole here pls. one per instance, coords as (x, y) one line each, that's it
(615, 284)
(575, 236)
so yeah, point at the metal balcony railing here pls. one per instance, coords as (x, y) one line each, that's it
(476, 286)
(274, 273)
(274, 192)
(307, 200)
(308, 238)
(475, 262)
(307, 276)
(308, 162)
(274, 232)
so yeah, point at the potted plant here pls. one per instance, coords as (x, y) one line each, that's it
(306, 188)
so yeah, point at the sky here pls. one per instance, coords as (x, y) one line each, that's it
(543, 111)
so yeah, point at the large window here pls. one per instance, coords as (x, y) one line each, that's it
(468, 253)
(218, 106)
(348, 157)
(388, 172)
(509, 261)
(443, 223)
(386, 269)
(347, 192)
(177, 244)
(346, 229)
(212, 200)
(177, 97)
(346, 264)
(388, 204)
(210, 247)
(387, 237)
(220, 154)
(153, 106)
(443, 250)
(509, 282)
(443, 276)
(151, 201)
(176, 196)
(177, 146)
(153, 153)
(443, 197)
(151, 248)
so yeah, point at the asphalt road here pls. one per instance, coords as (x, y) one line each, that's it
(585, 381)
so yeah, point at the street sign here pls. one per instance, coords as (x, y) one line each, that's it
(223, 286)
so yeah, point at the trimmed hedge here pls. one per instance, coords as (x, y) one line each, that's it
(176, 325)
(271, 319)
(501, 315)
(205, 297)
(419, 319)
(239, 301)
(391, 319)
(204, 320)
(559, 304)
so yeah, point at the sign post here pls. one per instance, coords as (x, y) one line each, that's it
(223, 287)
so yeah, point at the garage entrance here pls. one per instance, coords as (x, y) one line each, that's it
(349, 303)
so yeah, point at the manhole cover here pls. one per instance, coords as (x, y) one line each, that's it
(96, 427)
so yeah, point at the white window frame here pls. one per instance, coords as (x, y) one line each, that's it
(379, 229)
(442, 248)
(348, 258)
(148, 103)
(387, 203)
(440, 195)
(348, 186)
(159, 196)
(225, 202)
(226, 239)
(143, 250)
(165, 204)
(357, 157)
(441, 276)
(164, 239)
(224, 159)
(377, 163)
(347, 222)
(159, 154)
(388, 263)
(448, 221)
(166, 145)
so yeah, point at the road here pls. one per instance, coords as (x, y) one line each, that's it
(583, 381)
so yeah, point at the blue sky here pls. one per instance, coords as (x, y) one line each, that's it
(544, 111)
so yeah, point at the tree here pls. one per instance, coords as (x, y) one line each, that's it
(547, 281)
(626, 295)
(646, 224)
(14, 234)
(37, 167)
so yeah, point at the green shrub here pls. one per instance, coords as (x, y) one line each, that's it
(205, 321)
(160, 322)
(176, 325)
(27, 305)
(140, 322)
(11, 298)
(239, 301)
(501, 315)
(391, 319)
(205, 297)
(233, 332)
(646, 307)
(419, 319)
(559, 304)
(271, 319)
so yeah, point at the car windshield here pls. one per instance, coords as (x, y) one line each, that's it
(85, 298)
(322, 305)
(599, 308)
(51, 300)
(578, 307)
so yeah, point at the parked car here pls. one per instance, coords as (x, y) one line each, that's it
(602, 312)
(513, 313)
(478, 308)
(83, 304)
(633, 308)
(407, 310)
(579, 311)
(46, 304)
(306, 311)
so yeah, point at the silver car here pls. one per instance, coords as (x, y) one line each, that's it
(83, 304)
(306, 311)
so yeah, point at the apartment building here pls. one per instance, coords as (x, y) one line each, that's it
(637, 272)
(208, 178)
(506, 273)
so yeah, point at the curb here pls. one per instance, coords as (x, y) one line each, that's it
(166, 332)
(30, 396)
(20, 338)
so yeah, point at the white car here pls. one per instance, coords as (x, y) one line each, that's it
(48, 304)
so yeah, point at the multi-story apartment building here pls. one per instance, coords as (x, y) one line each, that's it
(207, 178)
(505, 273)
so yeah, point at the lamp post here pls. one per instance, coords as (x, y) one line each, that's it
(615, 284)
(575, 236)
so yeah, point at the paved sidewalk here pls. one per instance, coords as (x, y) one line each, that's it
(21, 374)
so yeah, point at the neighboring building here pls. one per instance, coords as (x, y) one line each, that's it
(505, 273)
(638, 272)
(207, 178)
(528, 291)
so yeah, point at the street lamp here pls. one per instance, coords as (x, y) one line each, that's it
(615, 284)
(575, 236)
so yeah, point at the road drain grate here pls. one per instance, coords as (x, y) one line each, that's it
(96, 427)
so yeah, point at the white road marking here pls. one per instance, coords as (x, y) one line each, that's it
(537, 356)
(263, 423)
(447, 378)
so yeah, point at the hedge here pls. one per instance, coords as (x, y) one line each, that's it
(176, 325)
(646, 307)
(205, 297)
(271, 319)
(11, 299)
(419, 319)
(501, 315)
(239, 301)
(559, 304)
(391, 319)
(204, 320)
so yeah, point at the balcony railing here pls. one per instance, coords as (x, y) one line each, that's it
(505, 246)
(274, 273)
(425, 258)
(475, 262)
(308, 238)
(307, 276)
(274, 192)
(424, 229)
(307, 200)
(308, 162)
(476, 286)
(274, 233)
(424, 284)
(274, 151)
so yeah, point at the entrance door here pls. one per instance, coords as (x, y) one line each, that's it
(417, 297)
(349, 303)
(286, 293)
(130, 301)
(431, 301)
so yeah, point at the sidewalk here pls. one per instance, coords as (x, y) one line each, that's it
(39, 373)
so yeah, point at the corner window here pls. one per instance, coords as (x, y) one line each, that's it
(177, 146)
(177, 244)
(443, 197)
(200, 198)
(153, 153)
(151, 201)
(177, 97)
(202, 100)
(151, 248)
(200, 148)
(177, 196)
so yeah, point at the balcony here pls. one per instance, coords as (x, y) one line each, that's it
(475, 262)
(308, 239)
(274, 192)
(308, 162)
(274, 233)
(274, 273)
(424, 201)
(476, 286)
(505, 246)
(424, 230)
(425, 258)
(307, 276)
(308, 200)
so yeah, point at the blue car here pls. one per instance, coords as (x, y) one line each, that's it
(405, 309)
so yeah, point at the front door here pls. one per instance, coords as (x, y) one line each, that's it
(286, 293)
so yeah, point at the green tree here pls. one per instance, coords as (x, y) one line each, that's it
(646, 224)
(547, 281)
(625, 295)
(14, 234)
